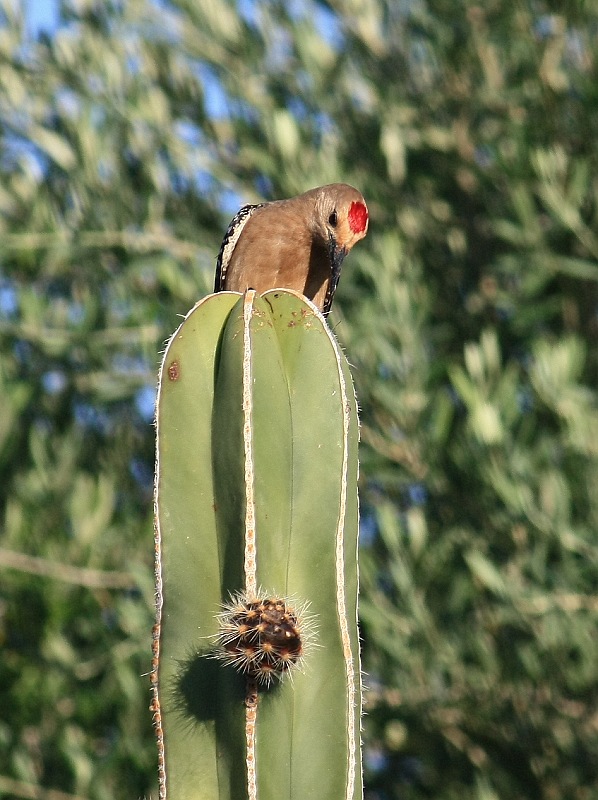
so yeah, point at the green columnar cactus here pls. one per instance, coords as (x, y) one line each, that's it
(256, 519)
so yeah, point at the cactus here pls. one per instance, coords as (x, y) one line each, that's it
(256, 508)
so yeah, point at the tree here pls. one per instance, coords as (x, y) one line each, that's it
(130, 135)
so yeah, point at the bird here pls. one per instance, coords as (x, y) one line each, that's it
(299, 243)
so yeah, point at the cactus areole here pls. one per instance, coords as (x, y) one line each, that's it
(255, 676)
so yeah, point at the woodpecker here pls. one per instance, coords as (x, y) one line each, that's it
(298, 243)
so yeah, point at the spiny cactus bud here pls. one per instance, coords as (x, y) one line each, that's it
(263, 635)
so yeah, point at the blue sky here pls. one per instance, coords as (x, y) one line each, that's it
(41, 15)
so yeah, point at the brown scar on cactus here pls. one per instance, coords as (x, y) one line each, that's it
(174, 370)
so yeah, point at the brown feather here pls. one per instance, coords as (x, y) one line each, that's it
(285, 244)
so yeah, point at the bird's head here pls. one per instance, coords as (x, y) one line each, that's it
(340, 215)
(340, 220)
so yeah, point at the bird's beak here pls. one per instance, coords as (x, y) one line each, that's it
(337, 256)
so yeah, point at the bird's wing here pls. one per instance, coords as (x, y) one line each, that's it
(231, 237)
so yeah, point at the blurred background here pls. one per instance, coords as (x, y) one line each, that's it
(130, 133)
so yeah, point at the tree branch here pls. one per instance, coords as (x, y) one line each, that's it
(81, 576)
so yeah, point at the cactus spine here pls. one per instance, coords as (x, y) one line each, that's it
(256, 517)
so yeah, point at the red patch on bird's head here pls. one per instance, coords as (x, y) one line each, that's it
(358, 217)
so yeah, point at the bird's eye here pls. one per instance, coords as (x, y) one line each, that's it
(333, 219)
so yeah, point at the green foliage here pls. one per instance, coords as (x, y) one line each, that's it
(129, 134)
